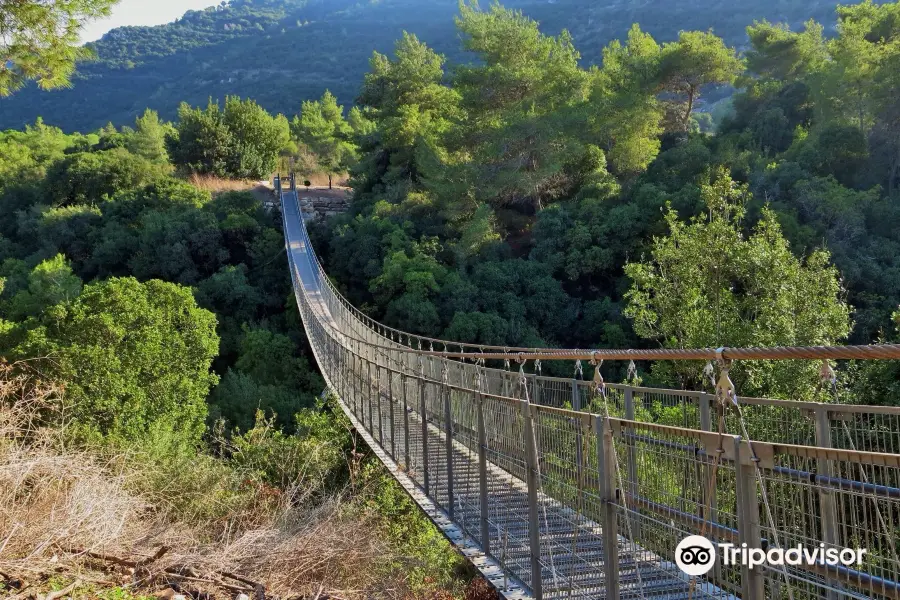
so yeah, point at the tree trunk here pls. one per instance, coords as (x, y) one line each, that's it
(690, 109)
(329, 181)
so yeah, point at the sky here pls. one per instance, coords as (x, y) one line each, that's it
(142, 12)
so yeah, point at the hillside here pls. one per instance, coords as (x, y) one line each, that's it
(281, 52)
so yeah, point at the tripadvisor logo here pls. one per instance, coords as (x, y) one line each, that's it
(696, 556)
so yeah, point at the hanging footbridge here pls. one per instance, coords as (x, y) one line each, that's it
(573, 488)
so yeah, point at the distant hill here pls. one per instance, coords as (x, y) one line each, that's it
(281, 52)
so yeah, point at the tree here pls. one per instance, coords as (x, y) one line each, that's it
(697, 59)
(242, 140)
(521, 127)
(626, 113)
(149, 137)
(39, 40)
(780, 54)
(91, 177)
(51, 282)
(707, 285)
(846, 87)
(132, 356)
(257, 138)
(406, 98)
(322, 127)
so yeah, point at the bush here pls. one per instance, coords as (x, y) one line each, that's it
(132, 355)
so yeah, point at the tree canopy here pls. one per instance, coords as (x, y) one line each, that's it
(39, 40)
(239, 140)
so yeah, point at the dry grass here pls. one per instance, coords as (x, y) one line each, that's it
(214, 185)
(50, 496)
(57, 505)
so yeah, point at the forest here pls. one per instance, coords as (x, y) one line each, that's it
(242, 47)
(533, 202)
(522, 197)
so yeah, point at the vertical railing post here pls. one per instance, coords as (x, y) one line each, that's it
(390, 394)
(705, 401)
(607, 476)
(827, 505)
(448, 424)
(406, 459)
(354, 377)
(531, 480)
(369, 394)
(537, 390)
(379, 403)
(631, 457)
(576, 406)
(423, 410)
(752, 582)
(706, 424)
(482, 474)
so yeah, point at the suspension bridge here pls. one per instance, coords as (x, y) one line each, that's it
(579, 488)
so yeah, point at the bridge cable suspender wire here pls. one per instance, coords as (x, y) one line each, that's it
(776, 472)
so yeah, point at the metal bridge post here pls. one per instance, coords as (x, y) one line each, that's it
(369, 387)
(448, 424)
(351, 380)
(405, 423)
(576, 406)
(705, 402)
(607, 476)
(423, 410)
(827, 505)
(752, 582)
(706, 424)
(631, 457)
(390, 394)
(537, 390)
(482, 474)
(531, 479)
(378, 403)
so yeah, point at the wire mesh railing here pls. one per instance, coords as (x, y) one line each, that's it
(582, 489)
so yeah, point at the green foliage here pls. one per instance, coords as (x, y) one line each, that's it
(269, 377)
(521, 134)
(627, 114)
(92, 177)
(431, 563)
(228, 50)
(240, 140)
(40, 40)
(706, 286)
(322, 127)
(51, 282)
(149, 137)
(696, 60)
(313, 460)
(133, 355)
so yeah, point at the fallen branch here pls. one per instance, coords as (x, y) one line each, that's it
(240, 578)
(152, 559)
(100, 556)
(63, 592)
(218, 583)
